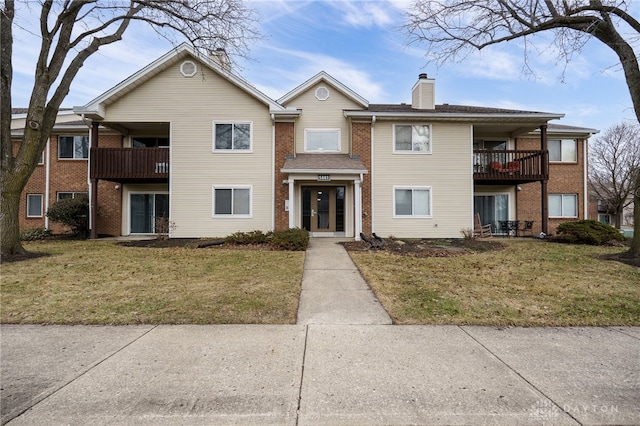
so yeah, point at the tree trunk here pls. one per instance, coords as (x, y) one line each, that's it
(9, 222)
(634, 251)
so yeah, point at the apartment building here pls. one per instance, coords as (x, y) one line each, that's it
(186, 139)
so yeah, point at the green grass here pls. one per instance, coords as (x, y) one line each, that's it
(100, 282)
(529, 283)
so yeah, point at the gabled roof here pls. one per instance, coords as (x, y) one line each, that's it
(320, 77)
(96, 108)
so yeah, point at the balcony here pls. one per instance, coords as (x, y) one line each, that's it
(509, 167)
(127, 165)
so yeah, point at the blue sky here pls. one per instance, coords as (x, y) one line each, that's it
(360, 44)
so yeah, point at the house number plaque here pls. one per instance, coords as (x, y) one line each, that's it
(324, 178)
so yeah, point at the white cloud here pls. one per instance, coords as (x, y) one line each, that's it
(367, 14)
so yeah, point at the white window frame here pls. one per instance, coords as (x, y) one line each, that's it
(29, 196)
(232, 215)
(74, 194)
(232, 149)
(412, 151)
(562, 204)
(562, 141)
(412, 215)
(74, 147)
(328, 130)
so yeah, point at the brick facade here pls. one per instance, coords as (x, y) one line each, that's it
(361, 145)
(284, 145)
(564, 178)
(71, 175)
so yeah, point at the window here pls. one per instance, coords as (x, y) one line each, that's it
(412, 138)
(41, 160)
(73, 147)
(232, 137)
(322, 140)
(232, 201)
(412, 202)
(65, 195)
(34, 205)
(563, 205)
(563, 150)
(149, 142)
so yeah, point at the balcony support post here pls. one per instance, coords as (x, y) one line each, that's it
(93, 200)
(544, 146)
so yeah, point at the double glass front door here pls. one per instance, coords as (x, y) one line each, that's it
(323, 208)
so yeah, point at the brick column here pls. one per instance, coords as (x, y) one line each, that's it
(284, 145)
(361, 145)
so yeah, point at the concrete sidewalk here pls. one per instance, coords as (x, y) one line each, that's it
(318, 374)
(333, 291)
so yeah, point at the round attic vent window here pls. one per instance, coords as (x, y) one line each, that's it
(322, 93)
(188, 68)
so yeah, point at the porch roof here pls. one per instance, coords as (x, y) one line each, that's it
(323, 163)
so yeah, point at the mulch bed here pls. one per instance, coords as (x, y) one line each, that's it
(428, 247)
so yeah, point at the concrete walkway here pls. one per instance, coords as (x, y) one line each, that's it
(333, 291)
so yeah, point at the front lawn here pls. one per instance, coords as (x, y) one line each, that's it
(101, 282)
(528, 283)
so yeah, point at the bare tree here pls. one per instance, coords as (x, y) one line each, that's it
(70, 32)
(614, 157)
(453, 28)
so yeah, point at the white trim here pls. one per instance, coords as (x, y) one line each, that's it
(41, 205)
(322, 98)
(323, 130)
(74, 146)
(47, 181)
(373, 174)
(357, 184)
(233, 123)
(231, 215)
(187, 74)
(292, 204)
(413, 188)
(561, 161)
(562, 195)
(585, 179)
(429, 150)
(273, 176)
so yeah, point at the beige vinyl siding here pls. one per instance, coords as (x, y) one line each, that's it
(448, 171)
(192, 105)
(327, 114)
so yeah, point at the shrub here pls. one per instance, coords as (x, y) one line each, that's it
(589, 232)
(73, 212)
(294, 239)
(34, 234)
(244, 238)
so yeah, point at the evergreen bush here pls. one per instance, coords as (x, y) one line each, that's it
(73, 212)
(589, 232)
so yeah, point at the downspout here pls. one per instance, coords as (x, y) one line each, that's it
(372, 174)
(273, 172)
(585, 169)
(47, 182)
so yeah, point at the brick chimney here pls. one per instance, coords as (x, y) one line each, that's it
(423, 94)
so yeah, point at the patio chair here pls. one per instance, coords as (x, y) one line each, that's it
(479, 229)
(527, 227)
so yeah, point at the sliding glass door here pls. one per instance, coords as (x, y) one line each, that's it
(145, 208)
(492, 209)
